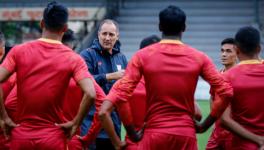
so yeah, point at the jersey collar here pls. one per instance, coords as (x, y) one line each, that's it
(169, 41)
(50, 41)
(251, 61)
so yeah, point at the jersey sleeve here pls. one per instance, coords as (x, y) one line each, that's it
(9, 62)
(219, 85)
(80, 69)
(123, 89)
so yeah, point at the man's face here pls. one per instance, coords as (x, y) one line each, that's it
(228, 54)
(108, 36)
(2, 49)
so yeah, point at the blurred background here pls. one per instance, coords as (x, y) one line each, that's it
(208, 22)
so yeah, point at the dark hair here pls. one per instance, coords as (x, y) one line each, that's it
(68, 36)
(55, 16)
(248, 40)
(2, 37)
(172, 20)
(149, 40)
(228, 41)
(108, 21)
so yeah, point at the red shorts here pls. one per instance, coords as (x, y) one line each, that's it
(49, 142)
(239, 143)
(74, 144)
(218, 144)
(163, 141)
(131, 145)
(4, 143)
(219, 140)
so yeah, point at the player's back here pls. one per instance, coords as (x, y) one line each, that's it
(43, 72)
(171, 73)
(247, 105)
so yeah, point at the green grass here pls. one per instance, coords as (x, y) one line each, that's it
(201, 138)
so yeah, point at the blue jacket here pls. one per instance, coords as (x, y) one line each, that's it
(99, 63)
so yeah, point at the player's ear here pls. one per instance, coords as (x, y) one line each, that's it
(65, 28)
(258, 49)
(160, 27)
(41, 24)
(183, 27)
(237, 50)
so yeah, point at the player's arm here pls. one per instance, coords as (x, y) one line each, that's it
(89, 95)
(234, 126)
(5, 122)
(121, 91)
(197, 112)
(221, 87)
(107, 123)
(96, 124)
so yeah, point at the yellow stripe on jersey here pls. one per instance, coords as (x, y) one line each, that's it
(169, 41)
(252, 61)
(50, 41)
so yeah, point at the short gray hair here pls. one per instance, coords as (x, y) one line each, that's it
(109, 21)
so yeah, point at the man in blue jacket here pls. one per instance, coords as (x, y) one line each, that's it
(107, 64)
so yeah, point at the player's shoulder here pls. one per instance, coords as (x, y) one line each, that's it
(195, 51)
(149, 49)
(22, 47)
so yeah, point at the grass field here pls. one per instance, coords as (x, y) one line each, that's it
(202, 138)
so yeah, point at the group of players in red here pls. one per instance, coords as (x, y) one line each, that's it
(154, 99)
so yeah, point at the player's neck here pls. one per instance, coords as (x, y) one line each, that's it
(228, 66)
(172, 37)
(245, 58)
(51, 35)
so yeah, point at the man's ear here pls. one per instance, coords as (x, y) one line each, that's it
(258, 49)
(65, 28)
(184, 27)
(237, 50)
(41, 24)
(160, 27)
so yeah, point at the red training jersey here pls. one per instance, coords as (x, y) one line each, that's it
(44, 68)
(246, 107)
(220, 137)
(171, 70)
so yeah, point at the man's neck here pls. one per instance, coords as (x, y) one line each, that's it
(228, 66)
(52, 35)
(244, 57)
(172, 37)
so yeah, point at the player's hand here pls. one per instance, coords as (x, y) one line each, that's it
(7, 125)
(198, 126)
(120, 146)
(85, 141)
(202, 127)
(69, 127)
(260, 141)
(134, 135)
(261, 147)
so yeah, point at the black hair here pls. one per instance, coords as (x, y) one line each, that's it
(149, 40)
(228, 41)
(248, 40)
(55, 16)
(108, 21)
(68, 36)
(172, 20)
